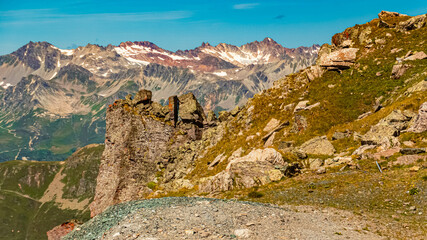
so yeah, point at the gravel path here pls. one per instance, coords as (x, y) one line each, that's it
(203, 218)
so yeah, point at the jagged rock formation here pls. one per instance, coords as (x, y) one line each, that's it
(145, 141)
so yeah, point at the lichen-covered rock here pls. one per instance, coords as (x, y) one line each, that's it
(255, 169)
(364, 35)
(158, 110)
(386, 130)
(318, 146)
(58, 232)
(420, 123)
(190, 110)
(413, 23)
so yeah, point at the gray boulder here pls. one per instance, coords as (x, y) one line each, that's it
(190, 110)
(259, 167)
(318, 146)
(420, 123)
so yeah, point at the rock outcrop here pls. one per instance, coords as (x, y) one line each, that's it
(339, 59)
(385, 132)
(413, 23)
(420, 123)
(143, 138)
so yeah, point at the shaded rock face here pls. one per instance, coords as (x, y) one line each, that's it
(142, 140)
(133, 147)
(259, 167)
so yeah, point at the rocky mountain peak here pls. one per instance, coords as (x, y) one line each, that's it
(205, 44)
(139, 43)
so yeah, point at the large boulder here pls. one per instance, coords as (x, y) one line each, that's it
(259, 167)
(142, 96)
(190, 110)
(318, 146)
(387, 129)
(387, 14)
(420, 123)
(339, 59)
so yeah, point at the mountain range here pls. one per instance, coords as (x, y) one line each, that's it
(53, 100)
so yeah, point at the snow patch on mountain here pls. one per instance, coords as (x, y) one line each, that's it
(221, 74)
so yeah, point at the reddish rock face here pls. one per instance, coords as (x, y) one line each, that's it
(59, 231)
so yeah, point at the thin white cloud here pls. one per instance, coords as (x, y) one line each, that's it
(50, 15)
(245, 6)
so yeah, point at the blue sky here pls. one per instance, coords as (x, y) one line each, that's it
(185, 24)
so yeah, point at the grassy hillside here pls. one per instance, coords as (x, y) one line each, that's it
(28, 205)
